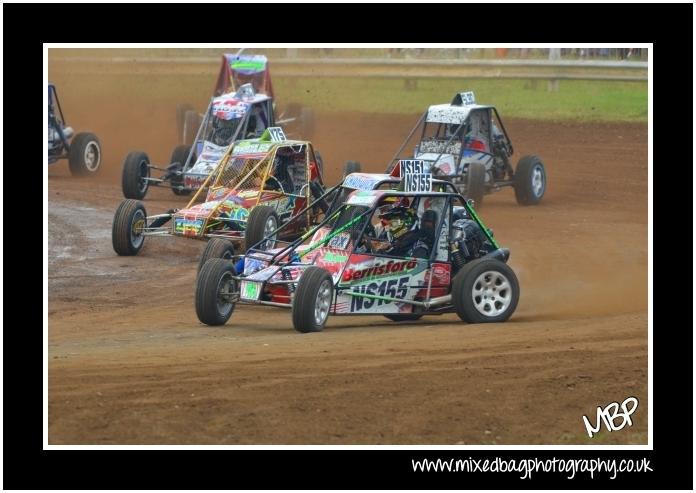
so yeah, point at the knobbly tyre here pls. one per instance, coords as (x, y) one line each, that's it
(338, 268)
(466, 143)
(258, 185)
(83, 151)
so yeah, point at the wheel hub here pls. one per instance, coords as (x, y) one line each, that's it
(491, 293)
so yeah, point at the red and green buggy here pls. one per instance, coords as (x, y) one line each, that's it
(331, 270)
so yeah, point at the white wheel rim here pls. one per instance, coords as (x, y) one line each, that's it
(321, 308)
(492, 293)
(537, 181)
(92, 156)
(136, 232)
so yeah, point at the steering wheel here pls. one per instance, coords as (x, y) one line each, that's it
(280, 185)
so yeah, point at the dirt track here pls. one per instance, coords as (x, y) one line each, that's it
(129, 362)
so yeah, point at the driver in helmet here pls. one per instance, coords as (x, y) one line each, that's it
(404, 237)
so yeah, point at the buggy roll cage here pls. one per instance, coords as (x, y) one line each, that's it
(395, 158)
(53, 94)
(292, 246)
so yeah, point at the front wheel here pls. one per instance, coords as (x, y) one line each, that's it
(313, 298)
(485, 290)
(85, 154)
(136, 171)
(216, 248)
(216, 292)
(127, 230)
(530, 180)
(476, 183)
(262, 222)
(178, 161)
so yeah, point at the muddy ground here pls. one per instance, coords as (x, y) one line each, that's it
(129, 363)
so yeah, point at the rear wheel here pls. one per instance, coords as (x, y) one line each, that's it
(312, 302)
(262, 221)
(127, 229)
(216, 292)
(179, 156)
(485, 290)
(351, 167)
(476, 183)
(530, 180)
(84, 156)
(136, 171)
(216, 248)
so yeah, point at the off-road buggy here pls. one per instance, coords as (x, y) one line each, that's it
(257, 185)
(336, 269)
(467, 143)
(241, 108)
(235, 71)
(82, 150)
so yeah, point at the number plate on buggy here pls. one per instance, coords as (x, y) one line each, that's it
(250, 290)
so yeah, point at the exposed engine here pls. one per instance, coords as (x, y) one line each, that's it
(468, 242)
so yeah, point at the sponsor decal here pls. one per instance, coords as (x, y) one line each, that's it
(252, 265)
(362, 197)
(390, 288)
(332, 257)
(210, 205)
(239, 214)
(228, 109)
(194, 181)
(385, 269)
(247, 64)
(187, 226)
(359, 182)
(251, 147)
(247, 194)
(340, 241)
(441, 275)
(250, 290)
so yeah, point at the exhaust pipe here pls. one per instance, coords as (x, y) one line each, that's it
(502, 254)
